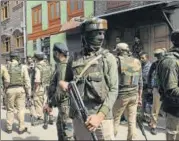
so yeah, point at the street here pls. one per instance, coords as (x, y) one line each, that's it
(38, 133)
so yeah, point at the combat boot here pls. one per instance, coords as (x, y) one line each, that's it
(23, 131)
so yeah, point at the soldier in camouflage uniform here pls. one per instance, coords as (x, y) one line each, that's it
(130, 89)
(17, 79)
(64, 122)
(153, 88)
(167, 73)
(99, 84)
(41, 81)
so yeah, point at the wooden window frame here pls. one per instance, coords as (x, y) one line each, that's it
(3, 18)
(20, 38)
(37, 26)
(6, 48)
(76, 11)
(56, 21)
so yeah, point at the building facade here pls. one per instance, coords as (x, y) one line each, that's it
(11, 28)
(152, 21)
(45, 19)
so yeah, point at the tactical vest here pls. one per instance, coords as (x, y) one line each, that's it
(15, 72)
(92, 84)
(129, 71)
(45, 72)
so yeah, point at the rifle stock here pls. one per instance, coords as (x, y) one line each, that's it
(79, 105)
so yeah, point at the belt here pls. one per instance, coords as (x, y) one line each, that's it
(15, 86)
(131, 86)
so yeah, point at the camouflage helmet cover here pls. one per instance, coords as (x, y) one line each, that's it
(122, 47)
(94, 24)
(159, 51)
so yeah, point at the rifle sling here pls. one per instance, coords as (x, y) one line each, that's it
(87, 66)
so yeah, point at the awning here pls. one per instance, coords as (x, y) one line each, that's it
(131, 9)
(72, 24)
(17, 32)
(5, 35)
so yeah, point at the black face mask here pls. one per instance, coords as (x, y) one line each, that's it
(94, 39)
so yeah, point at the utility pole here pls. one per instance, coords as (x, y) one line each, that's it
(24, 29)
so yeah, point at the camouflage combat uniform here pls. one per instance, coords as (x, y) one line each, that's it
(130, 83)
(167, 72)
(64, 122)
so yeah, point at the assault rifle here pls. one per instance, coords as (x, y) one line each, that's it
(79, 105)
(140, 121)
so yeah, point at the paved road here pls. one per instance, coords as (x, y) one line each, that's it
(38, 133)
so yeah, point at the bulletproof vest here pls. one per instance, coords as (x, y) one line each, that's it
(45, 72)
(92, 84)
(129, 71)
(15, 72)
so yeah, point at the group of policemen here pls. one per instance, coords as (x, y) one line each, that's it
(108, 84)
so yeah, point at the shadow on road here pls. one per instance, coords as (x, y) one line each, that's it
(27, 138)
(3, 126)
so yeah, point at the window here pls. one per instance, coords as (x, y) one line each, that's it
(6, 44)
(54, 12)
(19, 41)
(4, 10)
(37, 18)
(75, 8)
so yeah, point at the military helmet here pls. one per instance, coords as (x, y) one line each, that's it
(159, 51)
(39, 55)
(175, 37)
(60, 47)
(94, 24)
(122, 47)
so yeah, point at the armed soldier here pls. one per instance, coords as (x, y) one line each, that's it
(153, 88)
(167, 73)
(3, 79)
(41, 81)
(64, 122)
(130, 89)
(17, 79)
(93, 69)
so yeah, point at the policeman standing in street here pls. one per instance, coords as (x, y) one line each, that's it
(130, 89)
(167, 73)
(99, 85)
(64, 122)
(153, 88)
(3, 79)
(17, 80)
(41, 80)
